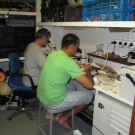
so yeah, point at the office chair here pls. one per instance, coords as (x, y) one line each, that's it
(15, 82)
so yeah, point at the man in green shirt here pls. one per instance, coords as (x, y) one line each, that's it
(58, 68)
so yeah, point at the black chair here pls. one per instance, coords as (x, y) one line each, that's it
(15, 82)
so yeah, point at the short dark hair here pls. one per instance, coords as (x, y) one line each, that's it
(69, 39)
(42, 32)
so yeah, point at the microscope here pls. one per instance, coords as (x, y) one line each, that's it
(81, 55)
(52, 48)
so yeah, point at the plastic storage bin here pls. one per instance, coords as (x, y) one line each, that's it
(108, 4)
(129, 15)
(73, 13)
(88, 2)
(104, 16)
(107, 10)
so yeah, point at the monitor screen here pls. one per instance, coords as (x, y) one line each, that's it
(7, 37)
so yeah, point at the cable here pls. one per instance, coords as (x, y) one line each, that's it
(7, 103)
(11, 103)
(130, 45)
(129, 53)
(124, 56)
(123, 45)
(114, 42)
(106, 57)
(113, 50)
(11, 95)
(126, 36)
(131, 34)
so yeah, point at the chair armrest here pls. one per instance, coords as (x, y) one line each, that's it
(21, 75)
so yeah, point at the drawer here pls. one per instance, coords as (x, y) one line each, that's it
(119, 120)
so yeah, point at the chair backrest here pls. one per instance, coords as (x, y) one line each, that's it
(14, 65)
(15, 79)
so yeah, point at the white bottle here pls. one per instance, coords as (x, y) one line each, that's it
(77, 132)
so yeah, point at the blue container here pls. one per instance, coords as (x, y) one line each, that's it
(129, 15)
(107, 10)
(89, 2)
(104, 16)
(129, 4)
(105, 5)
(99, 5)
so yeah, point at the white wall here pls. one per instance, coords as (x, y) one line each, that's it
(90, 37)
(56, 35)
(4, 65)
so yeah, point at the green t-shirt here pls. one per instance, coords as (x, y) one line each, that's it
(57, 70)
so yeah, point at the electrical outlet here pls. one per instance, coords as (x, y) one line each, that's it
(123, 43)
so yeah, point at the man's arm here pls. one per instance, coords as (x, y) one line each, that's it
(86, 80)
(40, 58)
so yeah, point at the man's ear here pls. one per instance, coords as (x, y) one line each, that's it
(71, 46)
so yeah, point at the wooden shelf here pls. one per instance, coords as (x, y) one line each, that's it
(119, 60)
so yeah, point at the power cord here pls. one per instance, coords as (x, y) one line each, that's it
(129, 33)
(114, 43)
(122, 46)
(9, 103)
(106, 57)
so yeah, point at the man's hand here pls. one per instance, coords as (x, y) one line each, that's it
(86, 79)
(84, 67)
(79, 63)
(87, 67)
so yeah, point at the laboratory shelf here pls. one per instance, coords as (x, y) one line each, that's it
(105, 24)
(18, 13)
(118, 60)
(6, 59)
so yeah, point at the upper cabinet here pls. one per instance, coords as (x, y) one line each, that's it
(103, 24)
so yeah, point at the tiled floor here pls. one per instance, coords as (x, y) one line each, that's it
(22, 125)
